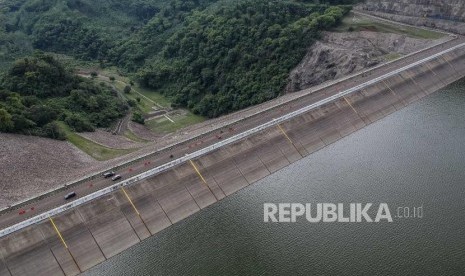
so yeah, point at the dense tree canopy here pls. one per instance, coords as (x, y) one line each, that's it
(37, 91)
(237, 55)
(211, 56)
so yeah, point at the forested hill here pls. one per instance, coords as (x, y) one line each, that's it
(231, 57)
(38, 91)
(85, 29)
(211, 56)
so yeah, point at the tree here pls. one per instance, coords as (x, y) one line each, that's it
(112, 78)
(6, 123)
(127, 89)
(93, 74)
(47, 93)
(221, 60)
(138, 118)
(52, 130)
(41, 114)
(132, 103)
(79, 123)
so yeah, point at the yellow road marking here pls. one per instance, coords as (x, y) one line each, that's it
(130, 201)
(64, 243)
(449, 63)
(198, 172)
(288, 138)
(411, 78)
(203, 179)
(431, 69)
(285, 134)
(453, 68)
(347, 101)
(388, 87)
(135, 209)
(392, 91)
(58, 232)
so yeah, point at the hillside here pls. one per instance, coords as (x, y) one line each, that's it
(85, 29)
(38, 91)
(210, 56)
(229, 58)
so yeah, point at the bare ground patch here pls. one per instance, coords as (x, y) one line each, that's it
(31, 165)
(142, 131)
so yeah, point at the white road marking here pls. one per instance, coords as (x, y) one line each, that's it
(166, 116)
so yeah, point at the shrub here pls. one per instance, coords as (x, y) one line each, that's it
(138, 118)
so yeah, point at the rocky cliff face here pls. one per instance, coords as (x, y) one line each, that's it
(341, 54)
(448, 15)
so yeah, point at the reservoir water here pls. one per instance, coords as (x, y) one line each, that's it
(414, 157)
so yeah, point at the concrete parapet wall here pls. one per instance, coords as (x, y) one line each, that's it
(82, 237)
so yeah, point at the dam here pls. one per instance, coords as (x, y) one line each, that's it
(75, 240)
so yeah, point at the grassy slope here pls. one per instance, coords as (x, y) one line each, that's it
(151, 100)
(95, 150)
(163, 125)
(131, 136)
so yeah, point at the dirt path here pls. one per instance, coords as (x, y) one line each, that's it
(123, 125)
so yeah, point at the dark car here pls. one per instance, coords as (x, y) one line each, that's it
(116, 177)
(70, 195)
(108, 174)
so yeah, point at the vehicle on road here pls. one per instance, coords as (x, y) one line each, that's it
(70, 195)
(108, 174)
(116, 177)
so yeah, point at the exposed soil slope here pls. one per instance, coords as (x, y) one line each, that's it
(341, 54)
(30, 166)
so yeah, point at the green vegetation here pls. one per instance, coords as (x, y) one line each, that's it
(209, 56)
(95, 150)
(138, 118)
(362, 23)
(85, 29)
(131, 136)
(38, 91)
(155, 97)
(163, 125)
(238, 55)
(392, 56)
(143, 105)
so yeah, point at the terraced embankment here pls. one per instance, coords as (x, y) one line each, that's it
(84, 236)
